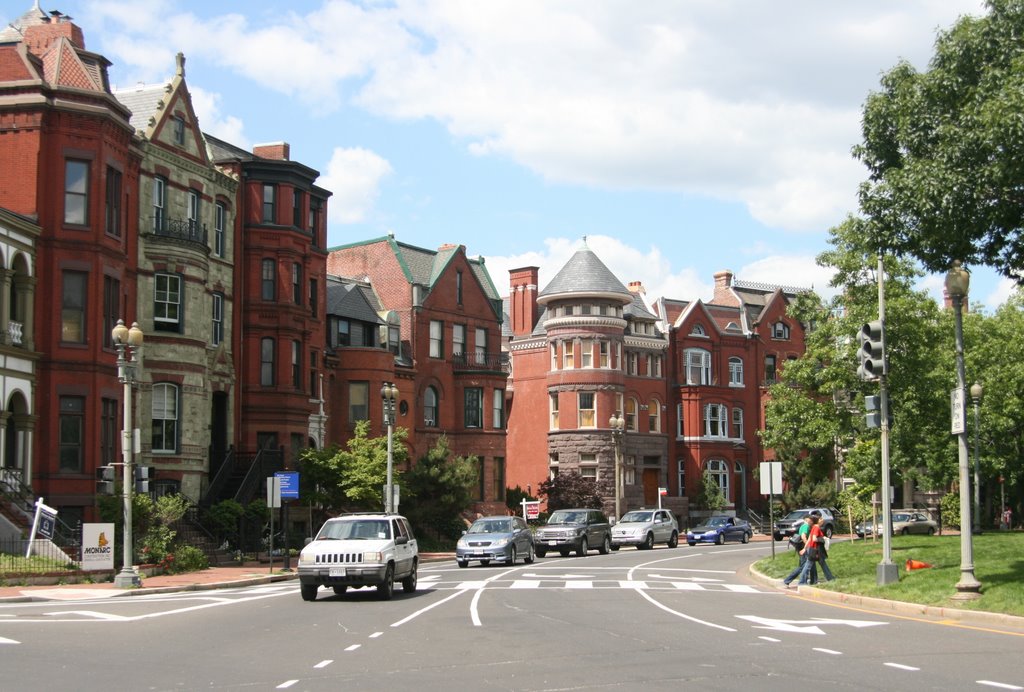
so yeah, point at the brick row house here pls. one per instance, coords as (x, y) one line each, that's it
(688, 378)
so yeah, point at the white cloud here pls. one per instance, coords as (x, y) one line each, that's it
(794, 271)
(354, 176)
(230, 128)
(1002, 292)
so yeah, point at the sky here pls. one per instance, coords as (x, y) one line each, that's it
(679, 137)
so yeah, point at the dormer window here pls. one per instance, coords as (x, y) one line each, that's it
(698, 330)
(780, 330)
(178, 130)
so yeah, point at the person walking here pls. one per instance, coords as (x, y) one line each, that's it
(815, 552)
(802, 533)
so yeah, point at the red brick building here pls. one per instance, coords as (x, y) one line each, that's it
(440, 317)
(70, 164)
(688, 378)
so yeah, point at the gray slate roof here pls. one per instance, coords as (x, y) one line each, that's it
(142, 102)
(585, 273)
(13, 31)
(352, 300)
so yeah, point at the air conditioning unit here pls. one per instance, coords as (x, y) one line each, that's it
(429, 422)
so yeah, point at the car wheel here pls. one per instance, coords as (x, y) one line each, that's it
(720, 539)
(931, 531)
(541, 552)
(563, 553)
(905, 532)
(648, 543)
(674, 540)
(615, 547)
(529, 554)
(777, 536)
(386, 589)
(582, 548)
(829, 530)
(308, 592)
(409, 583)
(691, 543)
(606, 546)
(511, 559)
(340, 590)
(463, 563)
(484, 563)
(746, 537)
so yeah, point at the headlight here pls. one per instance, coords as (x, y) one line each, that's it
(305, 558)
(372, 557)
(501, 542)
(462, 543)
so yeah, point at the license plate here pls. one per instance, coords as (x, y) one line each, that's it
(552, 542)
(336, 572)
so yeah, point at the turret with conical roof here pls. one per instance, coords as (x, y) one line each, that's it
(585, 275)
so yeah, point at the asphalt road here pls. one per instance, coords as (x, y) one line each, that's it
(651, 620)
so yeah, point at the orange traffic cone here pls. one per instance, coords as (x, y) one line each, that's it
(917, 564)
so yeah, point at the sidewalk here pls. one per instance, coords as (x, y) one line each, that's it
(212, 578)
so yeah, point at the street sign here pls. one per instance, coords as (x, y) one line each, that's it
(771, 477)
(289, 484)
(273, 492)
(958, 412)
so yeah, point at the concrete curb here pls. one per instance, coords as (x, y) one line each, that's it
(967, 617)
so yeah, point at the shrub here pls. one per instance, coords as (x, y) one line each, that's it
(950, 508)
(188, 558)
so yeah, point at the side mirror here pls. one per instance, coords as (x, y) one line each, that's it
(401, 540)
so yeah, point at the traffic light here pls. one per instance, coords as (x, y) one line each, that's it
(105, 480)
(870, 353)
(143, 474)
(873, 406)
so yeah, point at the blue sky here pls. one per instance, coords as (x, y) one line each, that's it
(680, 137)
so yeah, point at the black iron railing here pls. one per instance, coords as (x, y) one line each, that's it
(497, 362)
(187, 230)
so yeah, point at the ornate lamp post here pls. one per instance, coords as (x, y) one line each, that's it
(976, 398)
(958, 281)
(389, 393)
(128, 343)
(618, 425)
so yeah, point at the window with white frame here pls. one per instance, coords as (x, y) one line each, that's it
(554, 357)
(436, 339)
(267, 358)
(588, 466)
(159, 203)
(715, 420)
(587, 408)
(656, 366)
(698, 366)
(164, 409)
(458, 339)
(193, 213)
(632, 363)
(553, 409)
(498, 409)
(681, 471)
(167, 302)
(568, 360)
(631, 414)
(780, 330)
(718, 470)
(76, 192)
(737, 423)
(679, 420)
(603, 354)
(430, 407)
(586, 353)
(654, 416)
(220, 220)
(217, 335)
(358, 402)
(268, 279)
(629, 470)
(735, 372)
(480, 344)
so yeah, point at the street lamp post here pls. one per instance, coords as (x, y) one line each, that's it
(976, 398)
(617, 424)
(958, 281)
(128, 343)
(389, 393)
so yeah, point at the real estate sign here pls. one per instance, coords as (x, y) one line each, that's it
(97, 547)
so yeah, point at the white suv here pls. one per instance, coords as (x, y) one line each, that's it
(370, 549)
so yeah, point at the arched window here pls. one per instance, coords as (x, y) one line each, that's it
(715, 420)
(430, 407)
(735, 372)
(165, 417)
(698, 366)
(697, 330)
(718, 470)
(654, 416)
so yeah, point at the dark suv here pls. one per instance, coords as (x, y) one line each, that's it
(574, 529)
(788, 525)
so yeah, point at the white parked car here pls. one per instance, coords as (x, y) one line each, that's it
(645, 527)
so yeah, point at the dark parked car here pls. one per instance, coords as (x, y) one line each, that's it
(495, 538)
(719, 529)
(574, 529)
(788, 525)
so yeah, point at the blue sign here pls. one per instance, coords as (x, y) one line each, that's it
(289, 484)
(47, 524)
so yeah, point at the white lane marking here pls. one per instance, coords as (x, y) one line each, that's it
(525, 584)
(431, 577)
(688, 586)
(8, 641)
(741, 588)
(375, 635)
(697, 579)
(805, 626)
(559, 576)
(286, 685)
(632, 584)
(91, 614)
(353, 647)
(423, 610)
(900, 666)
(579, 584)
(470, 585)
(684, 615)
(830, 652)
(324, 664)
(474, 612)
(770, 639)
(1000, 685)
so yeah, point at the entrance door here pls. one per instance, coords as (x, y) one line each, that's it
(218, 431)
(651, 487)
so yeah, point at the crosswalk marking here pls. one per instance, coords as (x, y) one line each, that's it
(688, 586)
(579, 584)
(740, 588)
(634, 584)
(525, 584)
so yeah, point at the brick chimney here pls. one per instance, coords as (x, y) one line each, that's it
(637, 287)
(523, 299)
(39, 37)
(723, 289)
(279, 151)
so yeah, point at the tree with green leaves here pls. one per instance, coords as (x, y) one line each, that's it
(944, 148)
(440, 487)
(570, 490)
(710, 498)
(353, 477)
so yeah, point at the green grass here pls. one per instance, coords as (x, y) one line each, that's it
(17, 564)
(998, 565)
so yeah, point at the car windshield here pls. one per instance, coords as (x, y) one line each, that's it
(562, 517)
(718, 521)
(901, 517)
(637, 517)
(794, 516)
(354, 530)
(491, 526)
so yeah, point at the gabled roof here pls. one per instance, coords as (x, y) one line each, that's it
(142, 102)
(585, 274)
(638, 310)
(353, 300)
